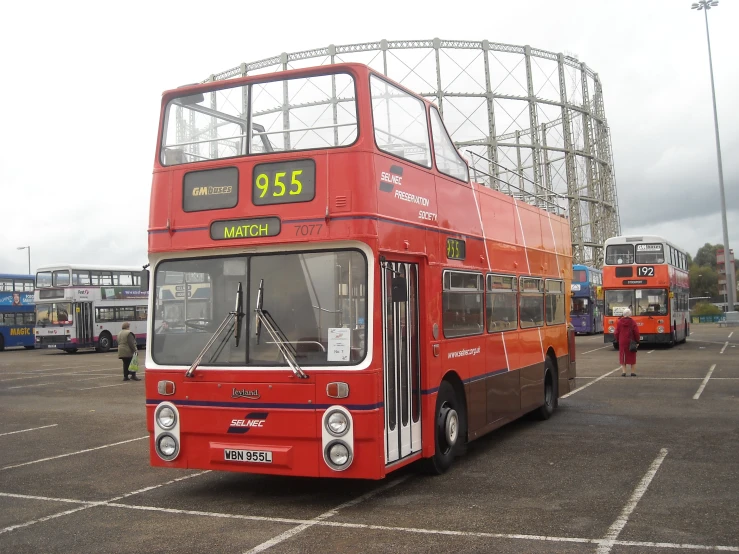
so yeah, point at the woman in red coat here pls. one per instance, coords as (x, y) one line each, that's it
(626, 331)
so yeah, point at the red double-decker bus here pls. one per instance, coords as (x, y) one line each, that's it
(330, 294)
(649, 276)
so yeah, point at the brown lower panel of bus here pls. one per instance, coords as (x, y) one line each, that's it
(501, 398)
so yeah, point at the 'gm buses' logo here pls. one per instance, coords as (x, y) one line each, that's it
(245, 228)
(210, 191)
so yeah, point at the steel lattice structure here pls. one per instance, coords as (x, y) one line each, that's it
(530, 122)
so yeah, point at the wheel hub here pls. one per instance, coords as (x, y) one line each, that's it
(450, 422)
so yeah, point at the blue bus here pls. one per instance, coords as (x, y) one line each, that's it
(17, 315)
(586, 313)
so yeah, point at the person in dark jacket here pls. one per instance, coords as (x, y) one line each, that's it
(126, 349)
(626, 331)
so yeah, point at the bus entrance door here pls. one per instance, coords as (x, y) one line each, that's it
(402, 380)
(83, 311)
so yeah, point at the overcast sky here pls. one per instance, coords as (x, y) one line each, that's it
(81, 86)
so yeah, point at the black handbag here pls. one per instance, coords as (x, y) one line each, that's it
(633, 346)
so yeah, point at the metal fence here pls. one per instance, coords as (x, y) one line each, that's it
(530, 122)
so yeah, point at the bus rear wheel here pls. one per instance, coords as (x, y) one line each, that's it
(451, 427)
(2, 343)
(546, 410)
(105, 342)
(29, 347)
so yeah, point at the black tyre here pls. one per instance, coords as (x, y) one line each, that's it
(2, 343)
(615, 346)
(451, 430)
(546, 410)
(29, 347)
(105, 342)
(70, 350)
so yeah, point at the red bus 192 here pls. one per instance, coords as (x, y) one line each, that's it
(649, 276)
(330, 294)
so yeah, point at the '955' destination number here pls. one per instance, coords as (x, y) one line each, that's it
(283, 182)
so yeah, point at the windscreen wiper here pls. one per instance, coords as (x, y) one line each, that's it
(263, 318)
(231, 321)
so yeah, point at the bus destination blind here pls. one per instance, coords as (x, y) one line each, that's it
(456, 249)
(245, 228)
(283, 182)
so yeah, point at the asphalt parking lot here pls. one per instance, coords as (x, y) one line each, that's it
(627, 465)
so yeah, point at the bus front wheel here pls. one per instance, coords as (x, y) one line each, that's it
(105, 342)
(2, 343)
(451, 427)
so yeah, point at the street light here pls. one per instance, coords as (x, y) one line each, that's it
(706, 5)
(29, 256)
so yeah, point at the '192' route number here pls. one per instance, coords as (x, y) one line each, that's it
(645, 271)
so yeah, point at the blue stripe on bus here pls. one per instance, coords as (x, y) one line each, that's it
(345, 218)
(265, 405)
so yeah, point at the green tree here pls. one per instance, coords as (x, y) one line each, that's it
(704, 308)
(703, 280)
(706, 255)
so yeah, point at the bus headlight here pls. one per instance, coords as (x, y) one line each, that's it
(339, 454)
(337, 438)
(660, 329)
(166, 417)
(611, 329)
(167, 447)
(337, 423)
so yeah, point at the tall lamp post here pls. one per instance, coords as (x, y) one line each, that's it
(706, 5)
(29, 256)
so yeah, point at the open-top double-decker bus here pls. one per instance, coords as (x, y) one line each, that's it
(649, 276)
(586, 312)
(84, 306)
(366, 306)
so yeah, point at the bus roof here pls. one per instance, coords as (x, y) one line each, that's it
(15, 276)
(90, 267)
(633, 239)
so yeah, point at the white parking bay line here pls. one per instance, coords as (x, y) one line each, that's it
(650, 351)
(590, 383)
(300, 528)
(724, 348)
(730, 335)
(617, 526)
(103, 386)
(73, 453)
(26, 430)
(697, 395)
(113, 502)
(601, 348)
(86, 504)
